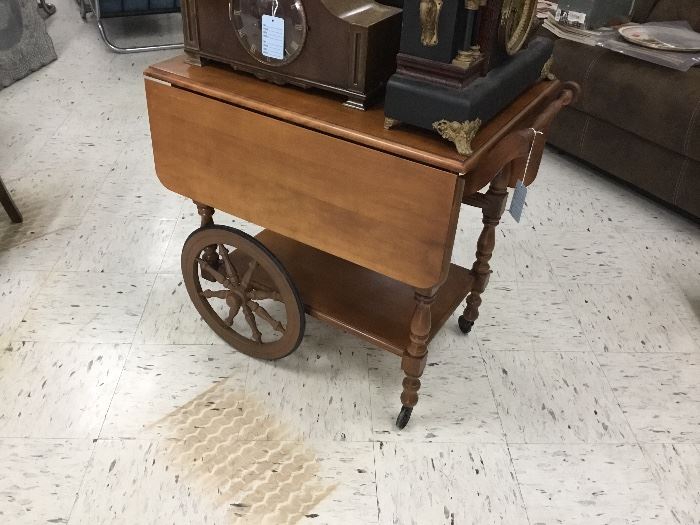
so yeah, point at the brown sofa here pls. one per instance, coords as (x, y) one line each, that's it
(634, 119)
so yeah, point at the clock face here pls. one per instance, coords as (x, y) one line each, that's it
(271, 31)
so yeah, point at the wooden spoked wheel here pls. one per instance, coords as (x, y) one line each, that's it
(242, 292)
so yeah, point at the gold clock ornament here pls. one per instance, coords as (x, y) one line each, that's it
(517, 19)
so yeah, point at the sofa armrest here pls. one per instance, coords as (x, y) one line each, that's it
(672, 10)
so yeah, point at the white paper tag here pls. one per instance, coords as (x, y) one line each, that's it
(518, 202)
(273, 37)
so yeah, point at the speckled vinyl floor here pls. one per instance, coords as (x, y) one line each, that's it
(576, 400)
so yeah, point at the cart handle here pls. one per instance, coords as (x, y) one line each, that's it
(513, 150)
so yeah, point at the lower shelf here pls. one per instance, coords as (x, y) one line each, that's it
(360, 301)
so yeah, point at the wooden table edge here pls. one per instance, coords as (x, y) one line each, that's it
(400, 150)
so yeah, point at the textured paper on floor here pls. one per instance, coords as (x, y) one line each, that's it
(255, 469)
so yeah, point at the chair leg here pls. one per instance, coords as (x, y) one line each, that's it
(9, 204)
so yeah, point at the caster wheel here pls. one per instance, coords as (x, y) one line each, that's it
(464, 325)
(252, 303)
(404, 416)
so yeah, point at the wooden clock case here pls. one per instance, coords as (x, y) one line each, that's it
(350, 47)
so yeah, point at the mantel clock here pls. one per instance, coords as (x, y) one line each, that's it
(344, 46)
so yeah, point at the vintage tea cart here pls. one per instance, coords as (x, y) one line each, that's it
(360, 221)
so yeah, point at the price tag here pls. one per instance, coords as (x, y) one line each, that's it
(518, 202)
(273, 37)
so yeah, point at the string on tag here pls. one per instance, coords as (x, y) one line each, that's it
(275, 5)
(532, 147)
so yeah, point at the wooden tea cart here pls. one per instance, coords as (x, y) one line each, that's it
(360, 221)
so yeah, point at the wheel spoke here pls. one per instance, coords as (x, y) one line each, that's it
(219, 294)
(260, 295)
(230, 268)
(232, 313)
(257, 336)
(264, 314)
(248, 274)
(220, 278)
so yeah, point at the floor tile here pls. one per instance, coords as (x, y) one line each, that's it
(687, 308)
(528, 316)
(675, 255)
(141, 197)
(117, 245)
(43, 229)
(348, 469)
(267, 483)
(552, 397)
(447, 483)
(597, 256)
(45, 196)
(321, 391)
(170, 318)
(676, 469)
(569, 194)
(660, 394)
(674, 258)
(455, 401)
(133, 189)
(40, 478)
(588, 485)
(134, 481)
(631, 316)
(109, 126)
(59, 155)
(35, 252)
(57, 390)
(86, 307)
(160, 379)
(516, 257)
(17, 293)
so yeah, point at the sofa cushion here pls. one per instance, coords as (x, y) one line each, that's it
(666, 10)
(648, 166)
(656, 103)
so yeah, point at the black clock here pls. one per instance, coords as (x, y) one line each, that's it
(462, 62)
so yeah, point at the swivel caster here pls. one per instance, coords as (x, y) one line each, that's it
(464, 325)
(404, 416)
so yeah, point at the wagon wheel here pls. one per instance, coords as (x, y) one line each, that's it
(252, 303)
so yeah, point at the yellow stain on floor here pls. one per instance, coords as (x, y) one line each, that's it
(230, 449)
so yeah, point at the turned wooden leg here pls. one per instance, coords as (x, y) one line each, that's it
(415, 356)
(209, 254)
(493, 208)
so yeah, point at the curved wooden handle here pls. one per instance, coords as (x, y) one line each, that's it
(568, 94)
(514, 148)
